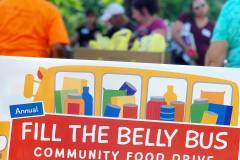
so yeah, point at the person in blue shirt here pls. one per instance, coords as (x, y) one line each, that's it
(225, 44)
(87, 31)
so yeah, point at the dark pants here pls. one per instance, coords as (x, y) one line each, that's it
(177, 59)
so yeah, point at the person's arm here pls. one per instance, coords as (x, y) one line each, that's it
(57, 51)
(177, 28)
(220, 41)
(74, 39)
(57, 34)
(216, 54)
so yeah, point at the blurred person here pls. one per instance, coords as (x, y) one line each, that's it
(199, 26)
(145, 13)
(87, 31)
(32, 28)
(225, 42)
(114, 16)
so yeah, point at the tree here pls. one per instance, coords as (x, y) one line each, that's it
(73, 10)
(170, 9)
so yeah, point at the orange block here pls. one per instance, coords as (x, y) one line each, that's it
(213, 97)
(179, 111)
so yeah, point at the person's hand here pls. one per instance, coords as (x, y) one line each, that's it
(191, 52)
(57, 51)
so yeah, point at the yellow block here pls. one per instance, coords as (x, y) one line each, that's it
(74, 83)
(170, 96)
(209, 118)
(122, 100)
(4, 131)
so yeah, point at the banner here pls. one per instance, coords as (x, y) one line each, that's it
(185, 97)
(68, 137)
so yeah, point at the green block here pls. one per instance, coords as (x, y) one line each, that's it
(108, 94)
(197, 111)
(60, 96)
(58, 102)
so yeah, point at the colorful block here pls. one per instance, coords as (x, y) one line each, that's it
(130, 111)
(74, 104)
(213, 97)
(108, 94)
(153, 108)
(167, 113)
(131, 90)
(180, 110)
(112, 111)
(60, 96)
(197, 110)
(209, 118)
(121, 101)
(74, 83)
(224, 113)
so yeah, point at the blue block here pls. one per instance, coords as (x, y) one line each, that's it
(224, 113)
(167, 120)
(112, 111)
(167, 116)
(131, 90)
(167, 109)
(88, 102)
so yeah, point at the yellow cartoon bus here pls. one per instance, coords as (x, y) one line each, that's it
(137, 92)
(188, 89)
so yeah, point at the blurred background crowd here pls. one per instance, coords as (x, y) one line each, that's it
(190, 32)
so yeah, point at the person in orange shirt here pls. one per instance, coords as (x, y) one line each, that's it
(32, 28)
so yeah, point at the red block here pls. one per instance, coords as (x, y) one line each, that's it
(153, 108)
(130, 111)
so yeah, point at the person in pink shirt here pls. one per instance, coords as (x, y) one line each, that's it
(199, 25)
(145, 14)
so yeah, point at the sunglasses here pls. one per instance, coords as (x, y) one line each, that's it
(196, 8)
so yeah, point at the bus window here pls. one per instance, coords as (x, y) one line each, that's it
(166, 99)
(211, 103)
(74, 93)
(215, 93)
(121, 96)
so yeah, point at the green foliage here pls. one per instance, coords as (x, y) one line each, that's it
(73, 10)
(170, 9)
(215, 7)
(107, 2)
